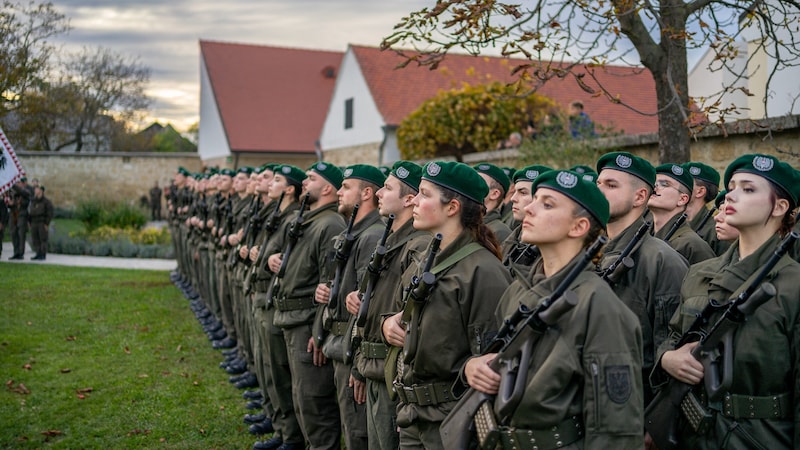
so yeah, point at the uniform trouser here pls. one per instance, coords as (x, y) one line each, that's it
(421, 435)
(202, 270)
(39, 237)
(225, 301)
(2, 238)
(155, 212)
(313, 392)
(211, 277)
(354, 416)
(175, 235)
(19, 230)
(238, 304)
(244, 313)
(274, 376)
(381, 417)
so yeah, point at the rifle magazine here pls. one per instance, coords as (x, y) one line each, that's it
(486, 427)
(699, 418)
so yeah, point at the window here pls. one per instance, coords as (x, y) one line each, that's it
(348, 114)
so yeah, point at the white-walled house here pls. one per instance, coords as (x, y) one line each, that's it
(372, 97)
(262, 104)
(756, 67)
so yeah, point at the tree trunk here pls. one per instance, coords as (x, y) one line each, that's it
(672, 88)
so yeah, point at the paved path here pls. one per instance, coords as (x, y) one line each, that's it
(89, 261)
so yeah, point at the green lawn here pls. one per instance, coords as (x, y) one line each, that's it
(109, 359)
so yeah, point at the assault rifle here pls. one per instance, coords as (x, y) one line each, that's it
(252, 215)
(416, 295)
(514, 344)
(681, 219)
(295, 231)
(715, 352)
(709, 215)
(251, 230)
(340, 259)
(374, 269)
(274, 218)
(617, 269)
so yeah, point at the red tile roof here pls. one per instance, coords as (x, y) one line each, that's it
(398, 92)
(271, 99)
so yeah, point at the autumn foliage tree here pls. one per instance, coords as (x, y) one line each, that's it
(556, 36)
(469, 119)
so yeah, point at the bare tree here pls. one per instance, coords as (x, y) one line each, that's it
(82, 110)
(24, 48)
(558, 36)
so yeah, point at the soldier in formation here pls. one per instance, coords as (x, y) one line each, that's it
(363, 305)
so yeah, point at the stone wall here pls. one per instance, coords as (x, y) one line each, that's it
(359, 154)
(715, 146)
(117, 177)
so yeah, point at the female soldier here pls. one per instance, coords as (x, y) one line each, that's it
(456, 320)
(583, 387)
(760, 407)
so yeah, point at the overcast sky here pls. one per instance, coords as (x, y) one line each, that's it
(165, 35)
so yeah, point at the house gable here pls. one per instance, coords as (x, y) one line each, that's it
(367, 121)
(211, 140)
(269, 99)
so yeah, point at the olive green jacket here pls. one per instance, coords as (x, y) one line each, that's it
(587, 365)
(402, 246)
(494, 221)
(518, 256)
(651, 289)
(766, 347)
(306, 267)
(686, 242)
(454, 324)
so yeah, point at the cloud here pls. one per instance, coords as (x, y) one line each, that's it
(165, 36)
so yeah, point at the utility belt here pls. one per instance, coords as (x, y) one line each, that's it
(294, 304)
(737, 406)
(734, 406)
(424, 394)
(339, 328)
(565, 433)
(374, 350)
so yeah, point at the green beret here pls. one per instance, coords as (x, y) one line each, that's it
(457, 177)
(408, 172)
(585, 193)
(328, 171)
(245, 170)
(213, 171)
(292, 173)
(677, 173)
(702, 172)
(530, 173)
(267, 166)
(227, 172)
(495, 172)
(181, 170)
(587, 172)
(509, 171)
(370, 174)
(720, 198)
(198, 176)
(385, 170)
(769, 167)
(627, 162)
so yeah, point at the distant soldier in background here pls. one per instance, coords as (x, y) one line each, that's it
(4, 216)
(41, 213)
(21, 195)
(155, 202)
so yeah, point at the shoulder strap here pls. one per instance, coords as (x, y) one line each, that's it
(462, 253)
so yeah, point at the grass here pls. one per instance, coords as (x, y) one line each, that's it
(111, 359)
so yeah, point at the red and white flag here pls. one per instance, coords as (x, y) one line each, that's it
(10, 169)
